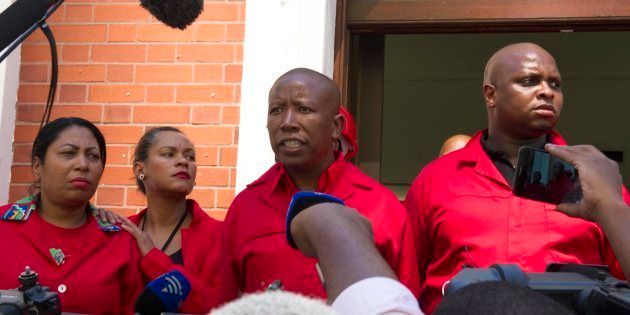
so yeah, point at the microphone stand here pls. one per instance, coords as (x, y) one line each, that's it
(53, 53)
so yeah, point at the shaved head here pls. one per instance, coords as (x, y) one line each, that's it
(454, 143)
(318, 83)
(504, 59)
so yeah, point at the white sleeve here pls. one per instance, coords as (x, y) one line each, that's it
(376, 295)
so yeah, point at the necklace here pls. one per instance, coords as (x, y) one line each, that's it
(170, 237)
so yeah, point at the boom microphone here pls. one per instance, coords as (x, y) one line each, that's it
(19, 17)
(166, 293)
(174, 13)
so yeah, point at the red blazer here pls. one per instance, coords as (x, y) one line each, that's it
(256, 252)
(200, 247)
(100, 274)
(464, 212)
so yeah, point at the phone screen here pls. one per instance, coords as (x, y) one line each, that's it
(539, 176)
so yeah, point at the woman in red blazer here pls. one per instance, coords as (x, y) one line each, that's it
(88, 263)
(174, 233)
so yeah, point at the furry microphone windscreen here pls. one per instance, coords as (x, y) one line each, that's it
(174, 13)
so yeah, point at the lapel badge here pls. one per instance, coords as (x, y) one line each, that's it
(58, 255)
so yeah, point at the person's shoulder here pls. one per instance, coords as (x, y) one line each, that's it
(18, 211)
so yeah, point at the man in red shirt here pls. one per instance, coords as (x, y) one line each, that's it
(304, 125)
(461, 205)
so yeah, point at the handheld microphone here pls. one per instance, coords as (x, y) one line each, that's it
(302, 200)
(174, 13)
(166, 293)
(19, 17)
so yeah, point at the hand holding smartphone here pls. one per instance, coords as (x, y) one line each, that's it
(539, 176)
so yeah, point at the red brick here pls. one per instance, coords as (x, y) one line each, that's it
(233, 73)
(17, 192)
(164, 73)
(207, 156)
(162, 33)
(121, 134)
(22, 153)
(225, 197)
(117, 114)
(161, 53)
(212, 176)
(120, 73)
(241, 11)
(36, 36)
(205, 114)
(203, 135)
(82, 73)
(122, 32)
(116, 93)
(117, 175)
(59, 15)
(80, 33)
(36, 52)
(235, 32)
(22, 174)
(31, 93)
(117, 154)
(161, 114)
(230, 115)
(210, 32)
(228, 156)
(220, 11)
(72, 93)
(75, 53)
(233, 177)
(29, 113)
(135, 197)
(208, 73)
(33, 73)
(160, 93)
(205, 94)
(237, 94)
(206, 52)
(110, 196)
(120, 13)
(204, 196)
(217, 214)
(119, 53)
(78, 13)
(89, 112)
(123, 211)
(238, 53)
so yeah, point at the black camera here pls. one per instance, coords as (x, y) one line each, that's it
(583, 289)
(29, 298)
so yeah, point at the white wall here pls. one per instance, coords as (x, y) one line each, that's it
(9, 70)
(279, 35)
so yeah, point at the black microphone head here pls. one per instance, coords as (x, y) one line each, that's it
(174, 13)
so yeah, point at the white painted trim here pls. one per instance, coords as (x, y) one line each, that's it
(279, 35)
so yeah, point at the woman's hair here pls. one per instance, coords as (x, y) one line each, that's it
(142, 148)
(51, 131)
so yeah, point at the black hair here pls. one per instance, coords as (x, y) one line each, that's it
(141, 153)
(497, 298)
(51, 131)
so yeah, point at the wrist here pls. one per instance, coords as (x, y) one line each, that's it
(608, 209)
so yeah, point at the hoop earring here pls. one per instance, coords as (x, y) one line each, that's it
(141, 177)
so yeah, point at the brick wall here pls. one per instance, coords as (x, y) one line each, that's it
(125, 71)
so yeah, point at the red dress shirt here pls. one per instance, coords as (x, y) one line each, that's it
(463, 212)
(99, 275)
(257, 253)
(200, 247)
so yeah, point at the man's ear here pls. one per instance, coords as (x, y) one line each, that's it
(37, 169)
(338, 125)
(489, 94)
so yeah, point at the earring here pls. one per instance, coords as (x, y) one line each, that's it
(141, 177)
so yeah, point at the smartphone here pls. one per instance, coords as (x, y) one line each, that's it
(540, 176)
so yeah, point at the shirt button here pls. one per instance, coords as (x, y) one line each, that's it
(62, 288)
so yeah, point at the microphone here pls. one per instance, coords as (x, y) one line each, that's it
(19, 17)
(174, 13)
(165, 293)
(302, 200)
